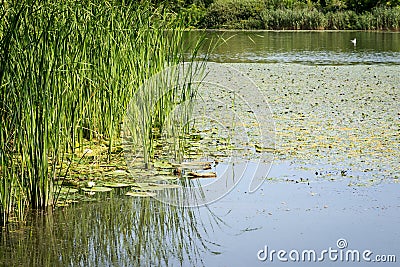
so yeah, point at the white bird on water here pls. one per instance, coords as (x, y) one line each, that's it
(354, 41)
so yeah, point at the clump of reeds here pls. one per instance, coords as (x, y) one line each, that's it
(159, 113)
(67, 72)
(296, 19)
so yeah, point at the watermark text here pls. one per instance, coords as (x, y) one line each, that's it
(340, 253)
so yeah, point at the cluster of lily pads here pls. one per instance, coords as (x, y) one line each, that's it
(338, 125)
(334, 119)
(91, 172)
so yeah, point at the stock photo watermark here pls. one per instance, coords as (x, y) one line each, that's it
(340, 253)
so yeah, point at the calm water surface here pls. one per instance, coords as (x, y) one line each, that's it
(324, 48)
(294, 210)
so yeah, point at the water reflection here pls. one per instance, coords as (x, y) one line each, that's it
(116, 232)
(296, 211)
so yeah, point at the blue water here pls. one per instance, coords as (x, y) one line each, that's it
(301, 212)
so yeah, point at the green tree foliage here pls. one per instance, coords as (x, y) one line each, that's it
(362, 5)
(323, 5)
(302, 14)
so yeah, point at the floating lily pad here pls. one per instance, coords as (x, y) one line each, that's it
(140, 194)
(69, 183)
(163, 165)
(68, 190)
(161, 172)
(145, 187)
(119, 172)
(153, 186)
(115, 185)
(97, 189)
(204, 165)
(202, 174)
(260, 149)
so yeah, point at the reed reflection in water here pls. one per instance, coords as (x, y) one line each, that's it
(115, 232)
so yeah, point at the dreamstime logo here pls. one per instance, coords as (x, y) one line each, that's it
(341, 243)
(228, 107)
(338, 254)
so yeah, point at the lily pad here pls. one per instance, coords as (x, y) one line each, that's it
(163, 172)
(163, 165)
(204, 165)
(68, 190)
(153, 186)
(202, 174)
(140, 194)
(97, 189)
(69, 183)
(115, 185)
(260, 149)
(119, 172)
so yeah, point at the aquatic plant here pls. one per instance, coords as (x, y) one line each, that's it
(160, 110)
(298, 19)
(67, 72)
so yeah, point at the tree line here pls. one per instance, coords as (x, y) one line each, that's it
(321, 5)
(287, 14)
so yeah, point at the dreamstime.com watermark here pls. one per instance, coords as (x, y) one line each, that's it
(340, 253)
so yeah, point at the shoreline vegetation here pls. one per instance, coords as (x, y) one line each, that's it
(68, 70)
(290, 14)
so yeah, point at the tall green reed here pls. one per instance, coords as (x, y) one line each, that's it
(67, 72)
(296, 19)
(158, 116)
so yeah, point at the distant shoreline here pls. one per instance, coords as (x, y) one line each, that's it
(258, 30)
(256, 15)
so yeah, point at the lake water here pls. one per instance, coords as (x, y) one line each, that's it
(332, 187)
(314, 47)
